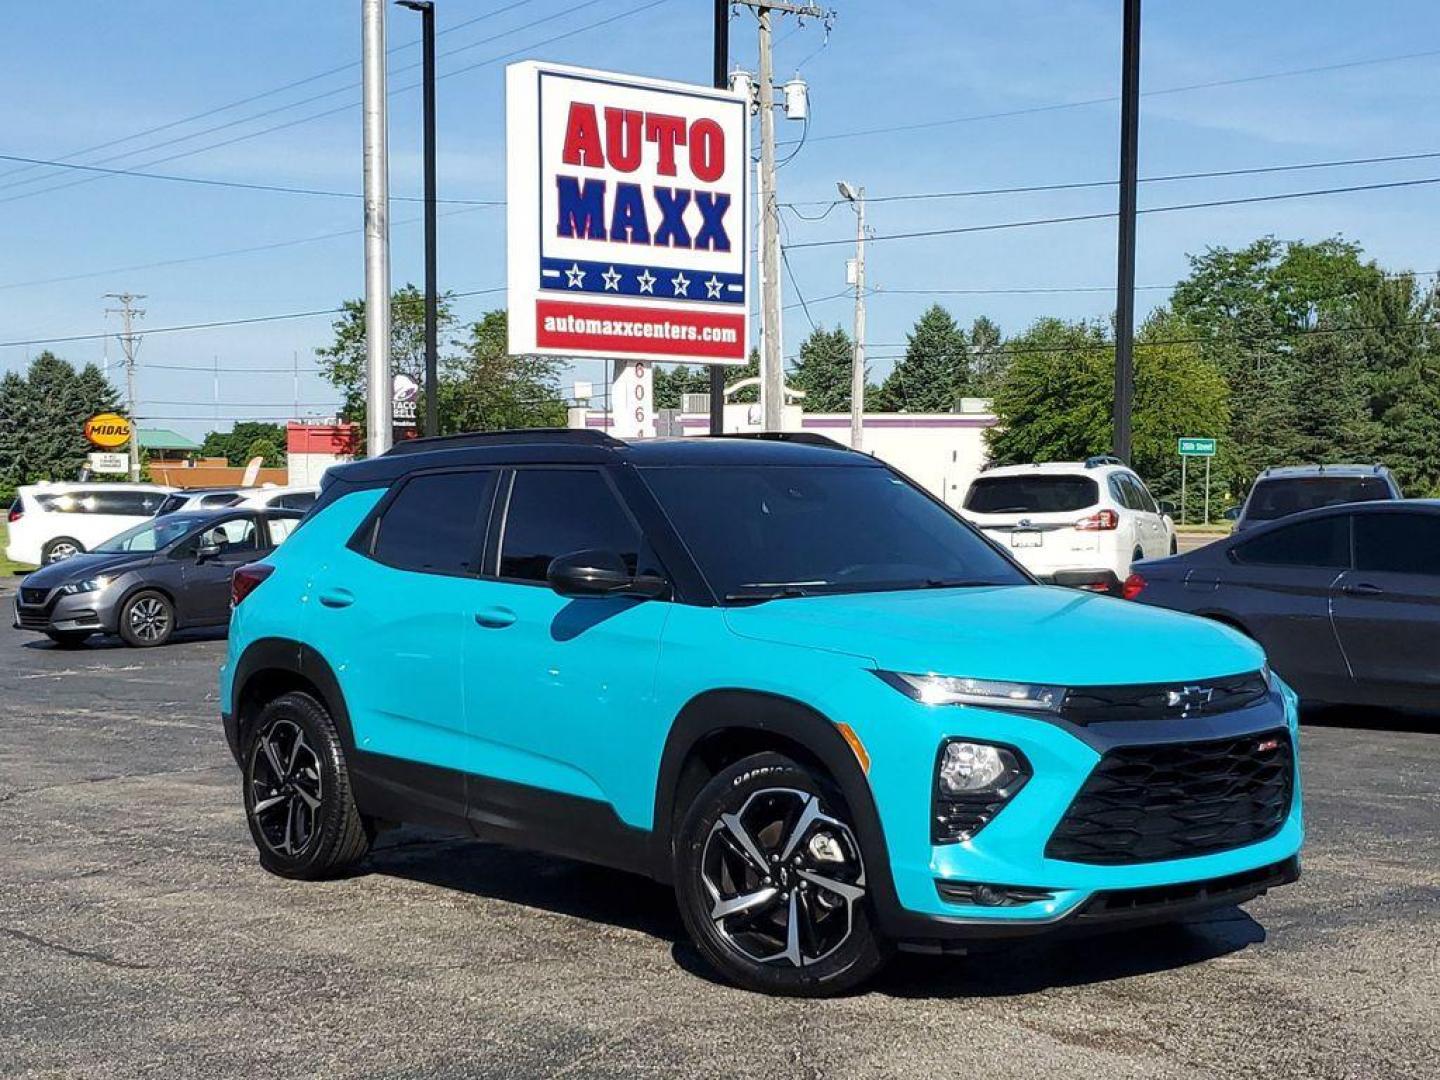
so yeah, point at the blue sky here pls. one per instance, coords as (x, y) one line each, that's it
(85, 73)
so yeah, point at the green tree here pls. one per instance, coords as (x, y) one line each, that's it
(342, 363)
(485, 388)
(674, 380)
(235, 445)
(266, 451)
(988, 357)
(42, 419)
(822, 370)
(935, 371)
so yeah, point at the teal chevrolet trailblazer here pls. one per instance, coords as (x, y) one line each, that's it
(769, 671)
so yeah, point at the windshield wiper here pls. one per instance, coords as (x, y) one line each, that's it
(758, 594)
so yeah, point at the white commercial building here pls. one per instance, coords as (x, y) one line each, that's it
(942, 451)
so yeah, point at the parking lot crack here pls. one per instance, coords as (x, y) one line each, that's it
(79, 954)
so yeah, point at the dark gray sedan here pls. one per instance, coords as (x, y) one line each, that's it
(1345, 600)
(165, 575)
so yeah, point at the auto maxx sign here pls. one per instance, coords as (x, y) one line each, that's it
(627, 217)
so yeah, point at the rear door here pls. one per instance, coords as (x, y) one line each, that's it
(1387, 609)
(1279, 586)
(1154, 540)
(559, 693)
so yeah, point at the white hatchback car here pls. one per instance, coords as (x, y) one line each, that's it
(52, 521)
(1072, 523)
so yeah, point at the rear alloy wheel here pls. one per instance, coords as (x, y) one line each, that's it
(61, 547)
(771, 881)
(147, 619)
(298, 803)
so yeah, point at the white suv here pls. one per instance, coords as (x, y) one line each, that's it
(1073, 523)
(49, 522)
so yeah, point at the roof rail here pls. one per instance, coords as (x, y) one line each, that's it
(803, 438)
(512, 437)
(1102, 459)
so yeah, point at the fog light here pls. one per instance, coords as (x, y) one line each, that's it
(970, 767)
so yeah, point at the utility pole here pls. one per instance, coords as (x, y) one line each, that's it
(1125, 277)
(432, 378)
(719, 79)
(130, 343)
(376, 146)
(772, 365)
(856, 198)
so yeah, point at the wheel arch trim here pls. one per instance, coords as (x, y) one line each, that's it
(276, 654)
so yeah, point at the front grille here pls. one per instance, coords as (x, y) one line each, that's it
(1162, 701)
(33, 597)
(1121, 904)
(1175, 800)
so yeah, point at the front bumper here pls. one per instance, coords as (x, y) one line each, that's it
(934, 884)
(56, 613)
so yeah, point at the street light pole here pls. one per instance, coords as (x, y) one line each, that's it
(432, 379)
(376, 147)
(1125, 277)
(719, 78)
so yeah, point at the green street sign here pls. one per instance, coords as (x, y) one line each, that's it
(1197, 447)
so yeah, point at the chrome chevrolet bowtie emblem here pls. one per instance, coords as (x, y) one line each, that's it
(1189, 697)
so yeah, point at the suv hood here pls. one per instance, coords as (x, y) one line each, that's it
(1019, 633)
(80, 567)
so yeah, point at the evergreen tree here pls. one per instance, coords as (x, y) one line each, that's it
(234, 445)
(673, 380)
(42, 420)
(988, 357)
(935, 371)
(823, 370)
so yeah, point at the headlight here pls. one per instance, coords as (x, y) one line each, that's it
(94, 584)
(947, 690)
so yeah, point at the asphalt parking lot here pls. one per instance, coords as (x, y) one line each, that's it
(138, 934)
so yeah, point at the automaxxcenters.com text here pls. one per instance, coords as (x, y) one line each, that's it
(602, 327)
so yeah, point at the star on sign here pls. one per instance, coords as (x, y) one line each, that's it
(574, 277)
(681, 283)
(712, 288)
(611, 278)
(646, 281)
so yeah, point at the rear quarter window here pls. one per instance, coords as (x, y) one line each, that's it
(1031, 494)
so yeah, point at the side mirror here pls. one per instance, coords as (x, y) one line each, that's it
(1166, 507)
(601, 573)
(1233, 514)
(206, 552)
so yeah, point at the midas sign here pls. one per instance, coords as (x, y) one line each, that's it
(626, 217)
(108, 430)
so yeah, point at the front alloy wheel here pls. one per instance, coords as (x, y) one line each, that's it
(771, 881)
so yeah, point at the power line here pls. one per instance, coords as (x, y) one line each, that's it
(221, 322)
(215, 110)
(1102, 215)
(1080, 184)
(338, 109)
(1110, 98)
(240, 184)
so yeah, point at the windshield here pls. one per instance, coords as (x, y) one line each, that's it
(152, 535)
(1278, 498)
(1031, 494)
(763, 531)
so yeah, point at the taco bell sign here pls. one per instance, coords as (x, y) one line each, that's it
(627, 217)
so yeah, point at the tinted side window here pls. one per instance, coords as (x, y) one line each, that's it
(1143, 500)
(434, 523)
(1324, 543)
(1398, 543)
(555, 512)
(126, 503)
(296, 500)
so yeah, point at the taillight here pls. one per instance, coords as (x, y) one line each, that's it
(1133, 587)
(15, 514)
(246, 579)
(1101, 522)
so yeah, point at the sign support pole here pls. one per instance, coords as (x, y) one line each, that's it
(718, 80)
(1184, 487)
(1207, 491)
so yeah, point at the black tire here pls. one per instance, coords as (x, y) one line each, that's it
(68, 639)
(314, 830)
(60, 547)
(762, 808)
(1174, 546)
(147, 619)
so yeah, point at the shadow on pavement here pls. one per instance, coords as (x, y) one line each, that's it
(109, 642)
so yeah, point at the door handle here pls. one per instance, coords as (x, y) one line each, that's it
(1361, 588)
(337, 598)
(495, 618)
